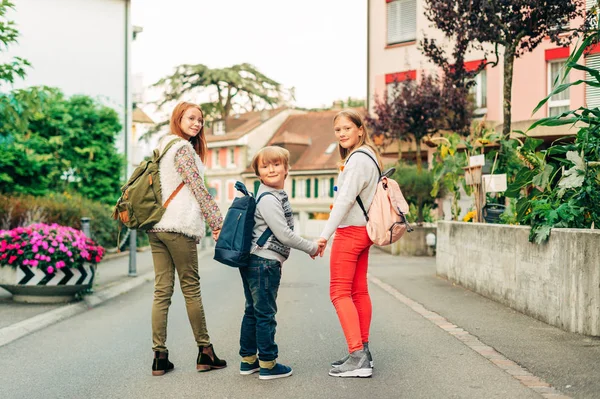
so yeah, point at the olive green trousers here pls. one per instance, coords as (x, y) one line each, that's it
(171, 252)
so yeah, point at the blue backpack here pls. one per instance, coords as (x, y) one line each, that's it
(235, 239)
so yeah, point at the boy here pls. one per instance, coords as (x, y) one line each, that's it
(261, 278)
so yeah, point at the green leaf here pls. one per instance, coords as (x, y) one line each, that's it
(575, 176)
(542, 179)
(541, 234)
(531, 144)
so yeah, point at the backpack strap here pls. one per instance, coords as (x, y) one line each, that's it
(167, 147)
(360, 203)
(262, 240)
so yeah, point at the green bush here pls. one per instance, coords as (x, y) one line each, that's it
(416, 186)
(63, 209)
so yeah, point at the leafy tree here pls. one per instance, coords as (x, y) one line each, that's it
(55, 144)
(518, 26)
(416, 187)
(8, 35)
(242, 85)
(457, 80)
(413, 111)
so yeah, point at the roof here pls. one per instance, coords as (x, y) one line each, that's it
(239, 125)
(139, 116)
(308, 136)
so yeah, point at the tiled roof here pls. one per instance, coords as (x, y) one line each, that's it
(238, 126)
(307, 137)
(139, 116)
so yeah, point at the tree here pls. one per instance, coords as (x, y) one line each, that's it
(518, 26)
(412, 111)
(8, 36)
(457, 80)
(58, 145)
(240, 85)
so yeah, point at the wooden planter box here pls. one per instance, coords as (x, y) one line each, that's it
(557, 282)
(35, 285)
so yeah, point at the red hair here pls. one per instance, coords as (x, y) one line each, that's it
(199, 141)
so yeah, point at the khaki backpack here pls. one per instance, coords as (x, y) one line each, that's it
(140, 206)
(386, 218)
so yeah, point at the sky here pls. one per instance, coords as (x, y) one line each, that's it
(316, 46)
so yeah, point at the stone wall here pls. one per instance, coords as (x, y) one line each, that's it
(557, 282)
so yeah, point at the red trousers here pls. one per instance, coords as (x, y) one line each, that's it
(348, 287)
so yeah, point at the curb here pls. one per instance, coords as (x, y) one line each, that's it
(89, 302)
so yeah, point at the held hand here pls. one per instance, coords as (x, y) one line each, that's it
(322, 245)
(215, 234)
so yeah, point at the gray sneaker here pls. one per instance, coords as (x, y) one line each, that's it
(338, 363)
(357, 365)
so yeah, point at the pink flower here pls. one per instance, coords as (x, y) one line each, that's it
(12, 259)
(37, 256)
(51, 250)
(54, 244)
(98, 259)
(69, 254)
(44, 244)
(34, 249)
(26, 262)
(50, 269)
(33, 263)
(20, 252)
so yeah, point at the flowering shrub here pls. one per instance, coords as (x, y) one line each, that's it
(51, 247)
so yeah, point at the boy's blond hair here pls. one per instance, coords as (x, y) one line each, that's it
(271, 154)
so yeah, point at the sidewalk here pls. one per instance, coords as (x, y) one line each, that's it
(567, 361)
(108, 273)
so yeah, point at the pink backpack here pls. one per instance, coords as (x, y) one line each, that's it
(386, 220)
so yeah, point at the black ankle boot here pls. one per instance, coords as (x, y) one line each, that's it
(161, 363)
(208, 359)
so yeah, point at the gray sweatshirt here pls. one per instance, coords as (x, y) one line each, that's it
(358, 177)
(275, 212)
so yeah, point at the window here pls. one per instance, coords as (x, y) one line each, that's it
(219, 128)
(392, 78)
(479, 93)
(401, 21)
(560, 102)
(307, 188)
(592, 94)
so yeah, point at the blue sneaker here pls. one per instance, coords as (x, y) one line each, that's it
(278, 371)
(248, 368)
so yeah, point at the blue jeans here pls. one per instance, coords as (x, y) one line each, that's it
(261, 282)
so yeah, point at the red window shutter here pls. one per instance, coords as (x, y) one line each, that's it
(557, 53)
(236, 156)
(400, 76)
(230, 191)
(209, 158)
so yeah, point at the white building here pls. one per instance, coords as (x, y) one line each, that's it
(79, 46)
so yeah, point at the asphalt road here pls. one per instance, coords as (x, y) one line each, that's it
(106, 352)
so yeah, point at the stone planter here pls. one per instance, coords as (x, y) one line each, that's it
(556, 282)
(34, 285)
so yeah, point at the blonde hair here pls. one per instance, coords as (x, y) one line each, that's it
(199, 141)
(269, 155)
(365, 139)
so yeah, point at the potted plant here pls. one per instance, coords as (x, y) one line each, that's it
(47, 263)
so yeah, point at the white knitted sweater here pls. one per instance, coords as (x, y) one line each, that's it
(358, 177)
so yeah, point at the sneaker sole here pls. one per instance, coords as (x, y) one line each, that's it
(203, 368)
(360, 373)
(272, 377)
(335, 366)
(248, 372)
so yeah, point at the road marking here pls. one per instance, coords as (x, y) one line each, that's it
(519, 373)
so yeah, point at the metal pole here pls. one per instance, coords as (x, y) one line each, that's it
(132, 253)
(85, 227)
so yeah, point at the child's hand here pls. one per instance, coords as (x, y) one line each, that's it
(322, 244)
(215, 234)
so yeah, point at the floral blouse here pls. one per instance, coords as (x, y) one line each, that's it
(187, 169)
